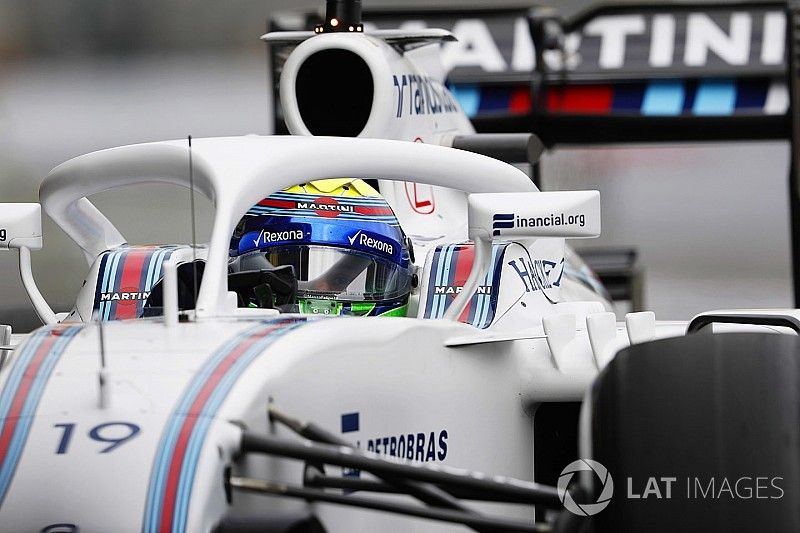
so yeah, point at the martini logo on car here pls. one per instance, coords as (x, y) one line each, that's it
(126, 296)
(752, 37)
(326, 206)
(450, 289)
(501, 221)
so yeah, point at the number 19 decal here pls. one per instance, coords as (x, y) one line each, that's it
(113, 433)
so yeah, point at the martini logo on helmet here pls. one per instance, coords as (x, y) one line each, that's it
(126, 296)
(326, 206)
(372, 243)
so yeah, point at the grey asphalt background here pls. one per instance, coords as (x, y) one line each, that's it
(710, 221)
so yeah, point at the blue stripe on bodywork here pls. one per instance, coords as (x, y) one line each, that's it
(715, 97)
(468, 97)
(31, 402)
(663, 98)
(157, 486)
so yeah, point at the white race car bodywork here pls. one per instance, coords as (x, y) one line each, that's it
(175, 398)
(131, 425)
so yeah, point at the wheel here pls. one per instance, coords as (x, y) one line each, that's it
(699, 433)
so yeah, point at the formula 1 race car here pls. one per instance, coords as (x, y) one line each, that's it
(507, 382)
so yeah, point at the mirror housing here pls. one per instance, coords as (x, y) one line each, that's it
(20, 226)
(520, 215)
(568, 214)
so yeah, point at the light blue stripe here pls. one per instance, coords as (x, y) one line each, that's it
(206, 417)
(20, 365)
(663, 98)
(715, 97)
(101, 309)
(151, 266)
(202, 423)
(441, 301)
(29, 407)
(468, 97)
(166, 447)
(107, 272)
(10, 390)
(160, 266)
(479, 308)
(490, 281)
(487, 298)
(112, 280)
(446, 280)
(438, 279)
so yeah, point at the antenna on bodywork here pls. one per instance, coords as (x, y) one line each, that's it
(341, 16)
(102, 376)
(194, 222)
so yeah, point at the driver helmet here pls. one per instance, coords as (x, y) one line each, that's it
(343, 241)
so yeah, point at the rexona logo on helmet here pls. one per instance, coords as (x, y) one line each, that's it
(342, 242)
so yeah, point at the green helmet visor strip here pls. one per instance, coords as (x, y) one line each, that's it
(309, 306)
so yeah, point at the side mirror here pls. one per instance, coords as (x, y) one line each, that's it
(569, 214)
(510, 215)
(21, 229)
(20, 226)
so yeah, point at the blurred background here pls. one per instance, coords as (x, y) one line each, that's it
(710, 221)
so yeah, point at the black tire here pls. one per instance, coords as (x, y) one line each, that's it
(700, 408)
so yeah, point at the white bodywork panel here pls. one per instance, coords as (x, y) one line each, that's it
(137, 435)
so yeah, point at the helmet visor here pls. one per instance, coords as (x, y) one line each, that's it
(329, 272)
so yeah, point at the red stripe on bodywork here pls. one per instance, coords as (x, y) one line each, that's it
(580, 99)
(22, 394)
(520, 100)
(463, 268)
(190, 419)
(131, 279)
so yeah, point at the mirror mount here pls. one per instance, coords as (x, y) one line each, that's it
(21, 229)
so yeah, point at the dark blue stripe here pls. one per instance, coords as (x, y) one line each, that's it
(752, 94)
(495, 99)
(628, 97)
(350, 422)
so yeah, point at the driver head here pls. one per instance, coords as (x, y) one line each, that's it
(343, 242)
